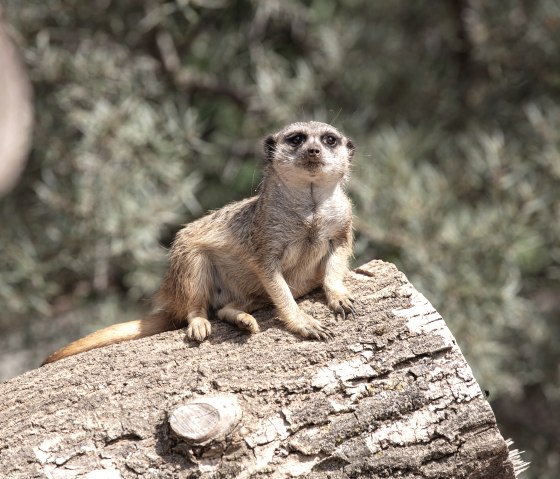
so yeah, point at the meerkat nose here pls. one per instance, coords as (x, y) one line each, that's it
(313, 152)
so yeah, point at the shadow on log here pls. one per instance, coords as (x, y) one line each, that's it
(390, 396)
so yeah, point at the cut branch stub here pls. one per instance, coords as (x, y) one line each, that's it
(206, 419)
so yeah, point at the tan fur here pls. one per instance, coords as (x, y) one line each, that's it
(154, 324)
(294, 236)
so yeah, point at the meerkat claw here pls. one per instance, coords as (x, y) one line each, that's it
(324, 334)
(345, 308)
(316, 331)
(340, 310)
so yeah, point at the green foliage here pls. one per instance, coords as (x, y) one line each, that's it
(480, 249)
(96, 184)
(147, 113)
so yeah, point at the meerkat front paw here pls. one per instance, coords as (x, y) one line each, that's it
(310, 328)
(340, 302)
(199, 329)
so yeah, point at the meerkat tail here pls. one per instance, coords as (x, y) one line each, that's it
(141, 328)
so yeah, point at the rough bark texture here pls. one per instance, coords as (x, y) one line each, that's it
(391, 396)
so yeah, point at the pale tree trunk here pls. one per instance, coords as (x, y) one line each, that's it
(15, 112)
(390, 396)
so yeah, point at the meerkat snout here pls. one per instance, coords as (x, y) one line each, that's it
(313, 152)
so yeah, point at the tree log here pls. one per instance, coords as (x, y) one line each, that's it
(390, 396)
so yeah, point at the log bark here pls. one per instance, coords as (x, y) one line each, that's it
(390, 396)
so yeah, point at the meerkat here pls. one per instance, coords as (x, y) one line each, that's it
(293, 237)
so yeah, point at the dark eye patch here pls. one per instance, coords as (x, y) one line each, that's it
(296, 139)
(329, 139)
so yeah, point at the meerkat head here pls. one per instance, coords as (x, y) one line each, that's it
(309, 151)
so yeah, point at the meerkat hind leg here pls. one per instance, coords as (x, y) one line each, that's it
(199, 327)
(232, 313)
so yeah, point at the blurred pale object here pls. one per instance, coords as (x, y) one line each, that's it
(15, 112)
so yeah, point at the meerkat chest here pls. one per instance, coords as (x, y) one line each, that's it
(317, 230)
(309, 240)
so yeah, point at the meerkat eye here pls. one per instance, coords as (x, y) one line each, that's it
(296, 140)
(330, 140)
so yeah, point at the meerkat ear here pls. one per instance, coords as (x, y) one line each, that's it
(269, 148)
(351, 149)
